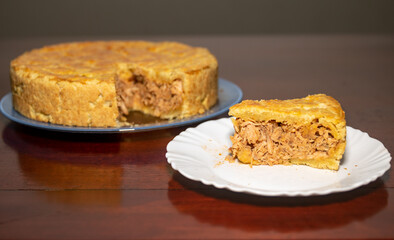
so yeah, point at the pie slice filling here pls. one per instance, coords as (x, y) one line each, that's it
(271, 142)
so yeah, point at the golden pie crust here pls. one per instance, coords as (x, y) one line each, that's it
(76, 83)
(309, 131)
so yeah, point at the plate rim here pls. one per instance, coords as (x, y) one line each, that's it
(238, 95)
(290, 193)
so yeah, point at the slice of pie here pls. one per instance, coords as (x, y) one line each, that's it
(308, 131)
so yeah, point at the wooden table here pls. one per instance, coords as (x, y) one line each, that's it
(76, 186)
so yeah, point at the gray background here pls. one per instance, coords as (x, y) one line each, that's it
(24, 18)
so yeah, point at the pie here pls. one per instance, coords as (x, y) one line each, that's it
(308, 131)
(94, 84)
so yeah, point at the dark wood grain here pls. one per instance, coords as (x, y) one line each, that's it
(98, 186)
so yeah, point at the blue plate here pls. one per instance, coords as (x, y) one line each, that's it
(229, 94)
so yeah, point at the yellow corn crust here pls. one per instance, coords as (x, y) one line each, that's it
(74, 83)
(300, 111)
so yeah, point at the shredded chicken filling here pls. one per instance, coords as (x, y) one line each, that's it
(276, 143)
(162, 97)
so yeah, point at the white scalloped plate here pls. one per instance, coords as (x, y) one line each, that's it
(198, 154)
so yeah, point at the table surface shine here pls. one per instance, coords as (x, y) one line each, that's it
(57, 185)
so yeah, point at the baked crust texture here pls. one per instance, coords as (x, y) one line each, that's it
(309, 131)
(75, 83)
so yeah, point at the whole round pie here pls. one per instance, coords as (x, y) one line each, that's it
(96, 83)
